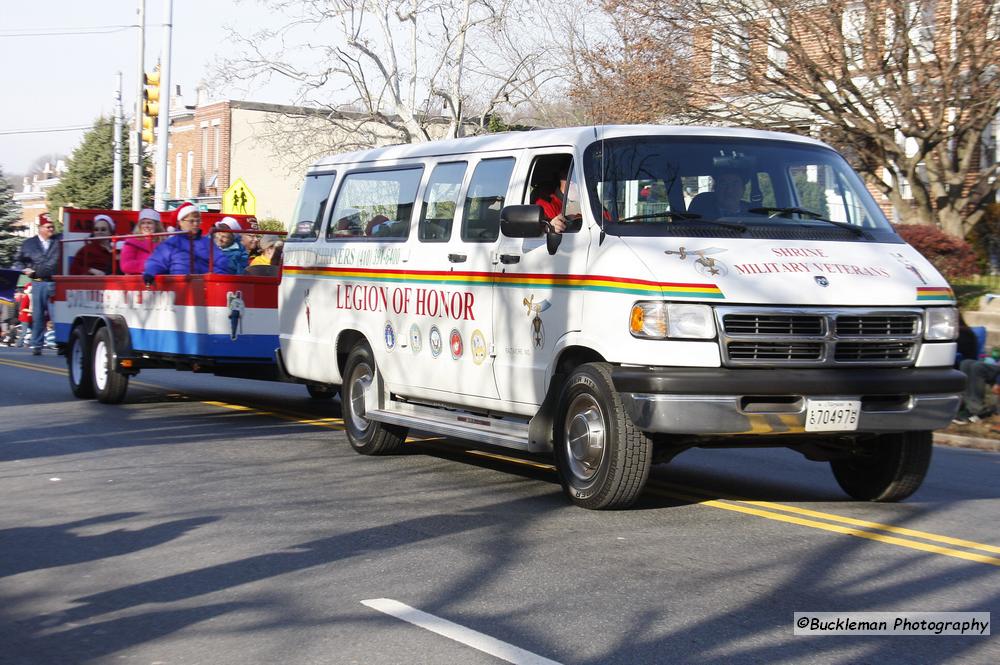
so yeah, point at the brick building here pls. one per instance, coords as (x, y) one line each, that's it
(887, 49)
(212, 143)
(32, 197)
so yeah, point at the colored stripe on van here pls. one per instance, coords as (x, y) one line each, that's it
(514, 280)
(935, 293)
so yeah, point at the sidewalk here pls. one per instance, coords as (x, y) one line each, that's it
(960, 441)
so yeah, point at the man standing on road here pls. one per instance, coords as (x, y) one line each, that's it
(39, 260)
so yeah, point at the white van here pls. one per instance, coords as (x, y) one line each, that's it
(713, 287)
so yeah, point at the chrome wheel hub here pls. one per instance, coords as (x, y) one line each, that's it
(361, 379)
(585, 437)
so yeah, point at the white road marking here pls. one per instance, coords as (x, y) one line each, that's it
(453, 631)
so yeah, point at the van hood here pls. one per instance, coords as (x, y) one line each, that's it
(791, 273)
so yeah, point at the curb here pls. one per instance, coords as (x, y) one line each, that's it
(972, 442)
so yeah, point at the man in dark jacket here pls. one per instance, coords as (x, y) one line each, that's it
(39, 260)
(174, 255)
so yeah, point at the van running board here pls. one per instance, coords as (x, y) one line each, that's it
(459, 424)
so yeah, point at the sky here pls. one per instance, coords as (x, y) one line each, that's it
(59, 81)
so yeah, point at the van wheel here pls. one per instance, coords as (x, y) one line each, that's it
(602, 458)
(366, 436)
(81, 382)
(317, 391)
(109, 385)
(889, 469)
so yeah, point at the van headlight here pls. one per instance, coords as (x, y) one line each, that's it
(940, 323)
(659, 320)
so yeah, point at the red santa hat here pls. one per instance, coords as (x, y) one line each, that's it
(185, 209)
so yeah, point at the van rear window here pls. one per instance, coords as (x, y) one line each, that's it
(311, 207)
(375, 204)
(441, 196)
(487, 191)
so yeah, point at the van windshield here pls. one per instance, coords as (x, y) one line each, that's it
(654, 185)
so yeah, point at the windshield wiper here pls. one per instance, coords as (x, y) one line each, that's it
(671, 215)
(815, 216)
(666, 214)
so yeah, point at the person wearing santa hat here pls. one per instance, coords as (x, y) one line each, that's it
(186, 252)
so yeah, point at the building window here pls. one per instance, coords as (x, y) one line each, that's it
(921, 21)
(852, 26)
(190, 172)
(217, 149)
(204, 153)
(777, 57)
(730, 54)
(178, 161)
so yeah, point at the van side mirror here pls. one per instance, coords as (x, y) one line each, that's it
(521, 221)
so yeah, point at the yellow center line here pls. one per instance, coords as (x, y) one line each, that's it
(888, 528)
(39, 368)
(836, 528)
(766, 509)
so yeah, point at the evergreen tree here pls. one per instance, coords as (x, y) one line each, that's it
(10, 213)
(89, 178)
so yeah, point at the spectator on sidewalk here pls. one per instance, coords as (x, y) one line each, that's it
(38, 258)
(980, 377)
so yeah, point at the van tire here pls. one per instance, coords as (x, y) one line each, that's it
(602, 458)
(890, 469)
(109, 385)
(81, 381)
(367, 437)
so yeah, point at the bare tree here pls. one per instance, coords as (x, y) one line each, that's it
(635, 70)
(907, 88)
(389, 71)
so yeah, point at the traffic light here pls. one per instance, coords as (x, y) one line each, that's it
(151, 104)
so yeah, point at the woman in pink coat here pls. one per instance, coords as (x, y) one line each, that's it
(135, 251)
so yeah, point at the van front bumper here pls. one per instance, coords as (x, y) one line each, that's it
(712, 401)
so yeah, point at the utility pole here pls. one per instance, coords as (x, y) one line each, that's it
(163, 141)
(119, 112)
(135, 156)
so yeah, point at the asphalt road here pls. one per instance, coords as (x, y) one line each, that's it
(220, 521)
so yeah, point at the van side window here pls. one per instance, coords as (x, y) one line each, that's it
(441, 202)
(310, 208)
(483, 201)
(375, 204)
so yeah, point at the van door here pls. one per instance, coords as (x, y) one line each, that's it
(452, 299)
(537, 299)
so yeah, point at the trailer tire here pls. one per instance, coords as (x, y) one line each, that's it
(602, 458)
(81, 380)
(367, 437)
(890, 469)
(109, 385)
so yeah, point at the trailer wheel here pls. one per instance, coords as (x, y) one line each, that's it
(109, 385)
(367, 437)
(889, 469)
(81, 381)
(602, 458)
(317, 391)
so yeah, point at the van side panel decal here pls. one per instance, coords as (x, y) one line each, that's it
(603, 283)
(935, 293)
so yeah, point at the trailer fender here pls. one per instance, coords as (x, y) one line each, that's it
(121, 339)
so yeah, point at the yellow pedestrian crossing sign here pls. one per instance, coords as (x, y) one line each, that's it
(239, 200)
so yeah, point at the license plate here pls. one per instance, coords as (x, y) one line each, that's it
(832, 415)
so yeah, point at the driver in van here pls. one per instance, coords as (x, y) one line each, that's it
(726, 197)
(550, 199)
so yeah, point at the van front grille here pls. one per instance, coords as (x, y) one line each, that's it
(815, 337)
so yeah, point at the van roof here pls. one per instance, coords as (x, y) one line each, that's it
(537, 138)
